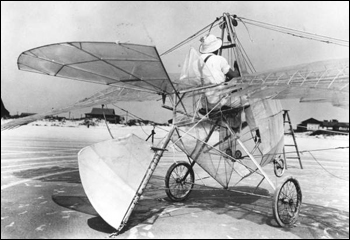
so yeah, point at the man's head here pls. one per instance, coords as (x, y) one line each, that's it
(210, 44)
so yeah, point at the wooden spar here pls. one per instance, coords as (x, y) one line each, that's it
(148, 175)
(222, 37)
(174, 108)
(198, 88)
(237, 51)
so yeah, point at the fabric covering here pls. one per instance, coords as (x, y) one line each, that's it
(197, 73)
(111, 173)
(117, 64)
(210, 142)
(209, 158)
(194, 71)
(268, 115)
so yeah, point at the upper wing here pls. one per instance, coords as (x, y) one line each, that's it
(325, 81)
(134, 72)
(117, 64)
(107, 96)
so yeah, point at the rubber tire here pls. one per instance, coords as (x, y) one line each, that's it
(167, 181)
(283, 168)
(275, 202)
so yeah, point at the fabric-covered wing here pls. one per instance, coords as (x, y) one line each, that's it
(106, 96)
(118, 64)
(326, 81)
(133, 72)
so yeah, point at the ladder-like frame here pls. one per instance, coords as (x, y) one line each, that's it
(286, 116)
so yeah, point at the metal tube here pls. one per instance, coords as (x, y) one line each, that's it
(148, 175)
(174, 109)
(256, 164)
(222, 37)
(237, 52)
(198, 88)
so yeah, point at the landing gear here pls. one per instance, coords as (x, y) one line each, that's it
(179, 181)
(279, 167)
(286, 203)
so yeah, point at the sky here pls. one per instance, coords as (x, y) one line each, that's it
(26, 25)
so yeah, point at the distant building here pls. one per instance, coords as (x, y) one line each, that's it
(53, 118)
(101, 113)
(335, 125)
(310, 124)
(4, 112)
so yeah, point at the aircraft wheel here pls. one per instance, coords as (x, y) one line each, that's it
(279, 167)
(179, 181)
(287, 202)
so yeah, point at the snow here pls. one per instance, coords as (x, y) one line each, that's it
(77, 130)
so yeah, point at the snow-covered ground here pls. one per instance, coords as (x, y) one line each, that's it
(78, 131)
(324, 181)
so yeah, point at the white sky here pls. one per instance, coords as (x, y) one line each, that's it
(26, 25)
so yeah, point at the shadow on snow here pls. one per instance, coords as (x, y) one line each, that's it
(314, 221)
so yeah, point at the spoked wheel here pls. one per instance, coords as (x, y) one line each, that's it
(179, 181)
(279, 167)
(287, 203)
